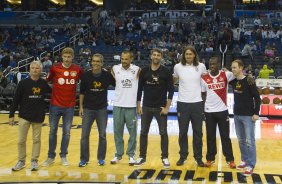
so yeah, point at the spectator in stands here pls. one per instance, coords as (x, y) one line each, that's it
(190, 105)
(3, 81)
(265, 72)
(257, 69)
(257, 22)
(125, 102)
(17, 75)
(5, 59)
(64, 77)
(29, 96)
(93, 106)
(247, 52)
(47, 64)
(268, 52)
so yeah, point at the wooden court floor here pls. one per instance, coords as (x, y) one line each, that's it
(268, 169)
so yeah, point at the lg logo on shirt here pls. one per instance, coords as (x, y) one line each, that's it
(63, 81)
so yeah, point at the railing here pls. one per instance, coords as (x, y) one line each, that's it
(25, 62)
(58, 48)
(42, 55)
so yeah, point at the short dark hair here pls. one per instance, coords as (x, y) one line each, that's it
(157, 50)
(214, 58)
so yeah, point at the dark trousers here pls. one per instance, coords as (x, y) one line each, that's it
(193, 112)
(146, 119)
(222, 120)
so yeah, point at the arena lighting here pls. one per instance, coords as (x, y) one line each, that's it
(97, 2)
(14, 1)
(61, 2)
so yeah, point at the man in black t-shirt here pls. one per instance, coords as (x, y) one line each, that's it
(246, 113)
(29, 96)
(93, 106)
(157, 84)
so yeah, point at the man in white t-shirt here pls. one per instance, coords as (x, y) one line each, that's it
(215, 86)
(190, 104)
(125, 102)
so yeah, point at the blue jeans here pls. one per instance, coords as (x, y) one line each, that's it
(101, 117)
(55, 114)
(245, 131)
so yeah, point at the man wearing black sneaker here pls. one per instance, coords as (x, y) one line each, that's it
(157, 83)
(215, 87)
(189, 103)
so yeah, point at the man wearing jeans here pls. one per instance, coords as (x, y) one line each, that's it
(157, 83)
(29, 97)
(124, 110)
(64, 76)
(93, 106)
(246, 113)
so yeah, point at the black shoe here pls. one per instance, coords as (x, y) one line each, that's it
(140, 161)
(180, 161)
(200, 163)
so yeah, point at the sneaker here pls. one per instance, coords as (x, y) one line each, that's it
(48, 162)
(248, 171)
(140, 161)
(131, 161)
(166, 163)
(82, 163)
(115, 160)
(200, 163)
(180, 162)
(209, 163)
(34, 165)
(64, 161)
(101, 162)
(231, 164)
(242, 165)
(19, 166)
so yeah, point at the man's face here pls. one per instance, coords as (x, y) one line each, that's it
(67, 59)
(156, 57)
(214, 66)
(35, 70)
(96, 63)
(126, 60)
(236, 70)
(189, 56)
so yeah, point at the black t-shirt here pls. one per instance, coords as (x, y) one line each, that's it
(94, 87)
(246, 98)
(157, 86)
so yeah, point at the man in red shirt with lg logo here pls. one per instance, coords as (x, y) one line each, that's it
(64, 76)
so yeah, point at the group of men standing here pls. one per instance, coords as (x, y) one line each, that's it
(155, 83)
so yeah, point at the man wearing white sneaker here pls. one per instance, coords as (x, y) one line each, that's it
(156, 83)
(29, 96)
(246, 113)
(64, 76)
(124, 110)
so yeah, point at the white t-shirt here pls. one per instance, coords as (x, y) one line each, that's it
(189, 82)
(216, 88)
(126, 85)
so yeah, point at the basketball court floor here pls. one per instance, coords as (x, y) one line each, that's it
(268, 168)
